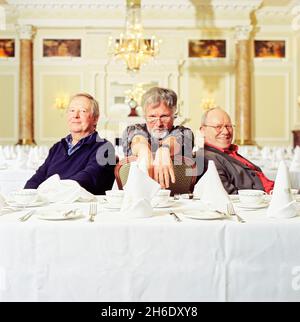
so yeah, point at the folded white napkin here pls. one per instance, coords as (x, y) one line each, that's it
(65, 191)
(138, 192)
(211, 190)
(282, 204)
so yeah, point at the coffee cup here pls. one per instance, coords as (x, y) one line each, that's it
(161, 198)
(25, 196)
(251, 196)
(114, 197)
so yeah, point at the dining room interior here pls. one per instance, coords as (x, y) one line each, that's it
(239, 55)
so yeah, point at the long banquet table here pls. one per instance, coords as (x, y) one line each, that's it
(117, 258)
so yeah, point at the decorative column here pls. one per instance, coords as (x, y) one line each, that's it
(26, 125)
(243, 133)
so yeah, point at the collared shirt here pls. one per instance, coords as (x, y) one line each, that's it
(184, 136)
(232, 151)
(72, 148)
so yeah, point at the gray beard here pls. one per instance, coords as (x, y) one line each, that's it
(159, 134)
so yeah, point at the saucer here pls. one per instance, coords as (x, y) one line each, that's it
(252, 206)
(109, 206)
(164, 205)
(204, 215)
(21, 205)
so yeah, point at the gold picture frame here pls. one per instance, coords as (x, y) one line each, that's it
(7, 48)
(275, 49)
(207, 48)
(61, 47)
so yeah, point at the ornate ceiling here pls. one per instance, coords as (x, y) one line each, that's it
(172, 14)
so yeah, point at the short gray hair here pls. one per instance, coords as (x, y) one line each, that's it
(156, 95)
(205, 114)
(93, 101)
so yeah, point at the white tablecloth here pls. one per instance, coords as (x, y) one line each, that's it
(150, 259)
(14, 179)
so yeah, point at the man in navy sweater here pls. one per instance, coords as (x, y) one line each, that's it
(81, 156)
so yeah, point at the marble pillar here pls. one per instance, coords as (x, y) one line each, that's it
(243, 115)
(26, 111)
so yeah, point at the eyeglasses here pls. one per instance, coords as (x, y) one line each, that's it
(163, 118)
(219, 128)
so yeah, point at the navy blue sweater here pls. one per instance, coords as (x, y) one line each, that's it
(92, 166)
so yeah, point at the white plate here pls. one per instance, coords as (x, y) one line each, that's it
(59, 215)
(166, 205)
(33, 204)
(204, 215)
(252, 206)
(109, 206)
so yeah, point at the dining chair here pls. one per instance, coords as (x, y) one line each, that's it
(184, 169)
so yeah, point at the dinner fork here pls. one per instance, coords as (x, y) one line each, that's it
(92, 211)
(231, 212)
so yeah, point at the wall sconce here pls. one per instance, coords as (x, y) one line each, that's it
(207, 103)
(61, 102)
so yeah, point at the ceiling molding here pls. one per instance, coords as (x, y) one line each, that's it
(232, 5)
(119, 24)
(274, 11)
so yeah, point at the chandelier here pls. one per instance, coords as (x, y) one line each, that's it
(131, 46)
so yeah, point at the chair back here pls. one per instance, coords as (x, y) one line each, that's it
(184, 169)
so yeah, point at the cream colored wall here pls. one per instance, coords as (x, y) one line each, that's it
(273, 95)
(276, 84)
(271, 107)
(8, 104)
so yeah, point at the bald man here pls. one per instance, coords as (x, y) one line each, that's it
(235, 171)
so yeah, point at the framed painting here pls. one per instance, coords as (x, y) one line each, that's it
(269, 49)
(207, 48)
(7, 48)
(61, 47)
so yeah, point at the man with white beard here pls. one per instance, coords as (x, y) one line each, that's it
(158, 140)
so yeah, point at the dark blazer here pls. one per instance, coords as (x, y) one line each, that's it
(234, 174)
